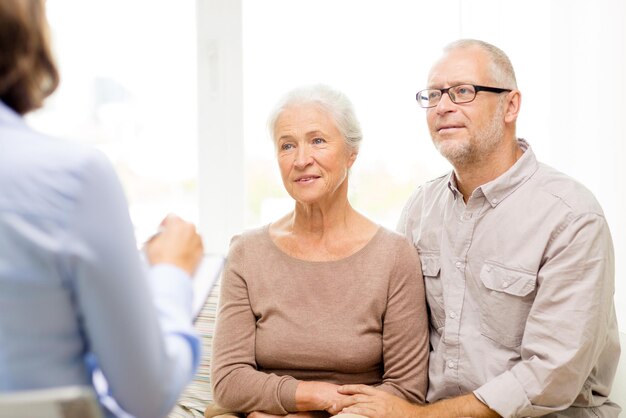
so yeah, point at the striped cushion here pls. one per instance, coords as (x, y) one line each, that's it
(197, 396)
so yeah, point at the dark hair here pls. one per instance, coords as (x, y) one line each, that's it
(28, 73)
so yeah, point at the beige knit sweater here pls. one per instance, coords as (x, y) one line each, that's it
(361, 319)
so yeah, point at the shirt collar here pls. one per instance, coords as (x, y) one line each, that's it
(452, 186)
(8, 115)
(498, 189)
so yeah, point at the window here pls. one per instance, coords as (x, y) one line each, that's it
(180, 107)
(128, 86)
(370, 51)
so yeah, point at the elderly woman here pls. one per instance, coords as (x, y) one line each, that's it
(323, 296)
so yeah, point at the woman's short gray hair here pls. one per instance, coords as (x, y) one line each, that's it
(333, 101)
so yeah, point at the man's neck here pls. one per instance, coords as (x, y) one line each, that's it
(474, 174)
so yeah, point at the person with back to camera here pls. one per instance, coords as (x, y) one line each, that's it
(72, 287)
(323, 296)
(517, 259)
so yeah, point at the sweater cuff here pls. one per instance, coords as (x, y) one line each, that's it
(287, 393)
(505, 395)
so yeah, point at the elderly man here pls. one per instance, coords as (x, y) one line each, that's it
(517, 258)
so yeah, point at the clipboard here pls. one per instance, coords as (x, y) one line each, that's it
(206, 276)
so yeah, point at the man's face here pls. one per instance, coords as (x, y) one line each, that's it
(467, 132)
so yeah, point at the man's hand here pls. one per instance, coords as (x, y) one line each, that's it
(373, 403)
(307, 414)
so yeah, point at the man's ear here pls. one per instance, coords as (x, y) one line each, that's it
(514, 102)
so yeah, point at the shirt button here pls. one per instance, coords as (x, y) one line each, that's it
(505, 284)
(452, 315)
(494, 201)
(458, 264)
(451, 365)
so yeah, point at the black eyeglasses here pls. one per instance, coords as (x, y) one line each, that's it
(463, 93)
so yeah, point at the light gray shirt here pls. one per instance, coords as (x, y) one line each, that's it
(519, 283)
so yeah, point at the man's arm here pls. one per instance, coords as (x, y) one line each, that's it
(373, 403)
(461, 406)
(308, 414)
(570, 330)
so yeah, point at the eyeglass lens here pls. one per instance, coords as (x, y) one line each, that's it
(458, 94)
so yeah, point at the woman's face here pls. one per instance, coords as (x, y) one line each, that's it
(312, 154)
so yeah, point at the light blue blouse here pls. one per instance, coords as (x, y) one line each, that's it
(72, 285)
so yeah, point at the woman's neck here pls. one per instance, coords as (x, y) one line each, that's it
(322, 231)
(322, 219)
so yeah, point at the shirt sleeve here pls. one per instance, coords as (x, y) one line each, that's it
(405, 329)
(142, 338)
(405, 223)
(567, 327)
(237, 384)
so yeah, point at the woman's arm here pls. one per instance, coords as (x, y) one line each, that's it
(237, 384)
(405, 329)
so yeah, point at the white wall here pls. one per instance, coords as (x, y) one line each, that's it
(588, 111)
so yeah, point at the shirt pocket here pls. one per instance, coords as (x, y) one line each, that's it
(431, 270)
(508, 297)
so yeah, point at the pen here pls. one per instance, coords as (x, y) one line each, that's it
(156, 234)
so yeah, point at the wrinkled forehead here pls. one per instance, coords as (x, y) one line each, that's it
(304, 111)
(460, 66)
(305, 116)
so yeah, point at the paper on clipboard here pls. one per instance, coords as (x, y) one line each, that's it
(206, 276)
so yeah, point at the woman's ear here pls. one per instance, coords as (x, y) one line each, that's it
(352, 158)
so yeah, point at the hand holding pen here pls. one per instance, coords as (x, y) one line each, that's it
(177, 243)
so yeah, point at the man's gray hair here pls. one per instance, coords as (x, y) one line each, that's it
(501, 67)
(333, 101)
